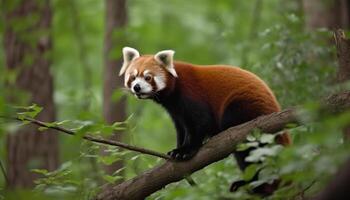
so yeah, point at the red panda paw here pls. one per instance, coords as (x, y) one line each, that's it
(182, 153)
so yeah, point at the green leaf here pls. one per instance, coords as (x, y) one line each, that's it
(42, 128)
(66, 165)
(250, 171)
(251, 138)
(60, 123)
(31, 111)
(257, 183)
(40, 171)
(267, 138)
(134, 157)
(111, 179)
(256, 133)
(84, 129)
(291, 125)
(260, 154)
(108, 160)
(245, 146)
(118, 171)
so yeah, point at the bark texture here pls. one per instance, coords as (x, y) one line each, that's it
(343, 54)
(343, 74)
(217, 148)
(330, 14)
(27, 43)
(116, 18)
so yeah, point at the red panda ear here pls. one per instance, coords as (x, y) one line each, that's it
(166, 58)
(129, 54)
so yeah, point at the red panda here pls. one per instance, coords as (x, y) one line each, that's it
(201, 100)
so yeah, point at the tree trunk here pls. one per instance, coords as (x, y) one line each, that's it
(116, 18)
(343, 74)
(27, 44)
(332, 14)
(343, 54)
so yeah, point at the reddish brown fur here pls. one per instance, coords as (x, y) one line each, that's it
(220, 85)
(217, 85)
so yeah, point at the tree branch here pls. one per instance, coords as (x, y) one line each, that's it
(217, 148)
(97, 140)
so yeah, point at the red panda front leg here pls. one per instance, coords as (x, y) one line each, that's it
(180, 133)
(188, 142)
(193, 121)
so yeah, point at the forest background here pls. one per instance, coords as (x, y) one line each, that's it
(59, 61)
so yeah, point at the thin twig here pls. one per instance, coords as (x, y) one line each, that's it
(302, 192)
(95, 139)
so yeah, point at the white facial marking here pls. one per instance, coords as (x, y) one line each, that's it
(126, 79)
(135, 72)
(145, 87)
(146, 72)
(160, 82)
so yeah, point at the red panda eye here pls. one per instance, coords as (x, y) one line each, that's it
(132, 78)
(148, 78)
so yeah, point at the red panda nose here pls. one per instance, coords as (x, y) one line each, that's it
(137, 88)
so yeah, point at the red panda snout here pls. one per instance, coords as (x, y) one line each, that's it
(141, 88)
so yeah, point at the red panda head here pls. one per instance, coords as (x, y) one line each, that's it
(149, 74)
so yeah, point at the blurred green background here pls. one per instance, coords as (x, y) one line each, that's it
(268, 37)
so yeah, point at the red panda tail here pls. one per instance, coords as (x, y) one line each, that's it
(284, 139)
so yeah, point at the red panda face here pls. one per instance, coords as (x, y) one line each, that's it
(146, 75)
